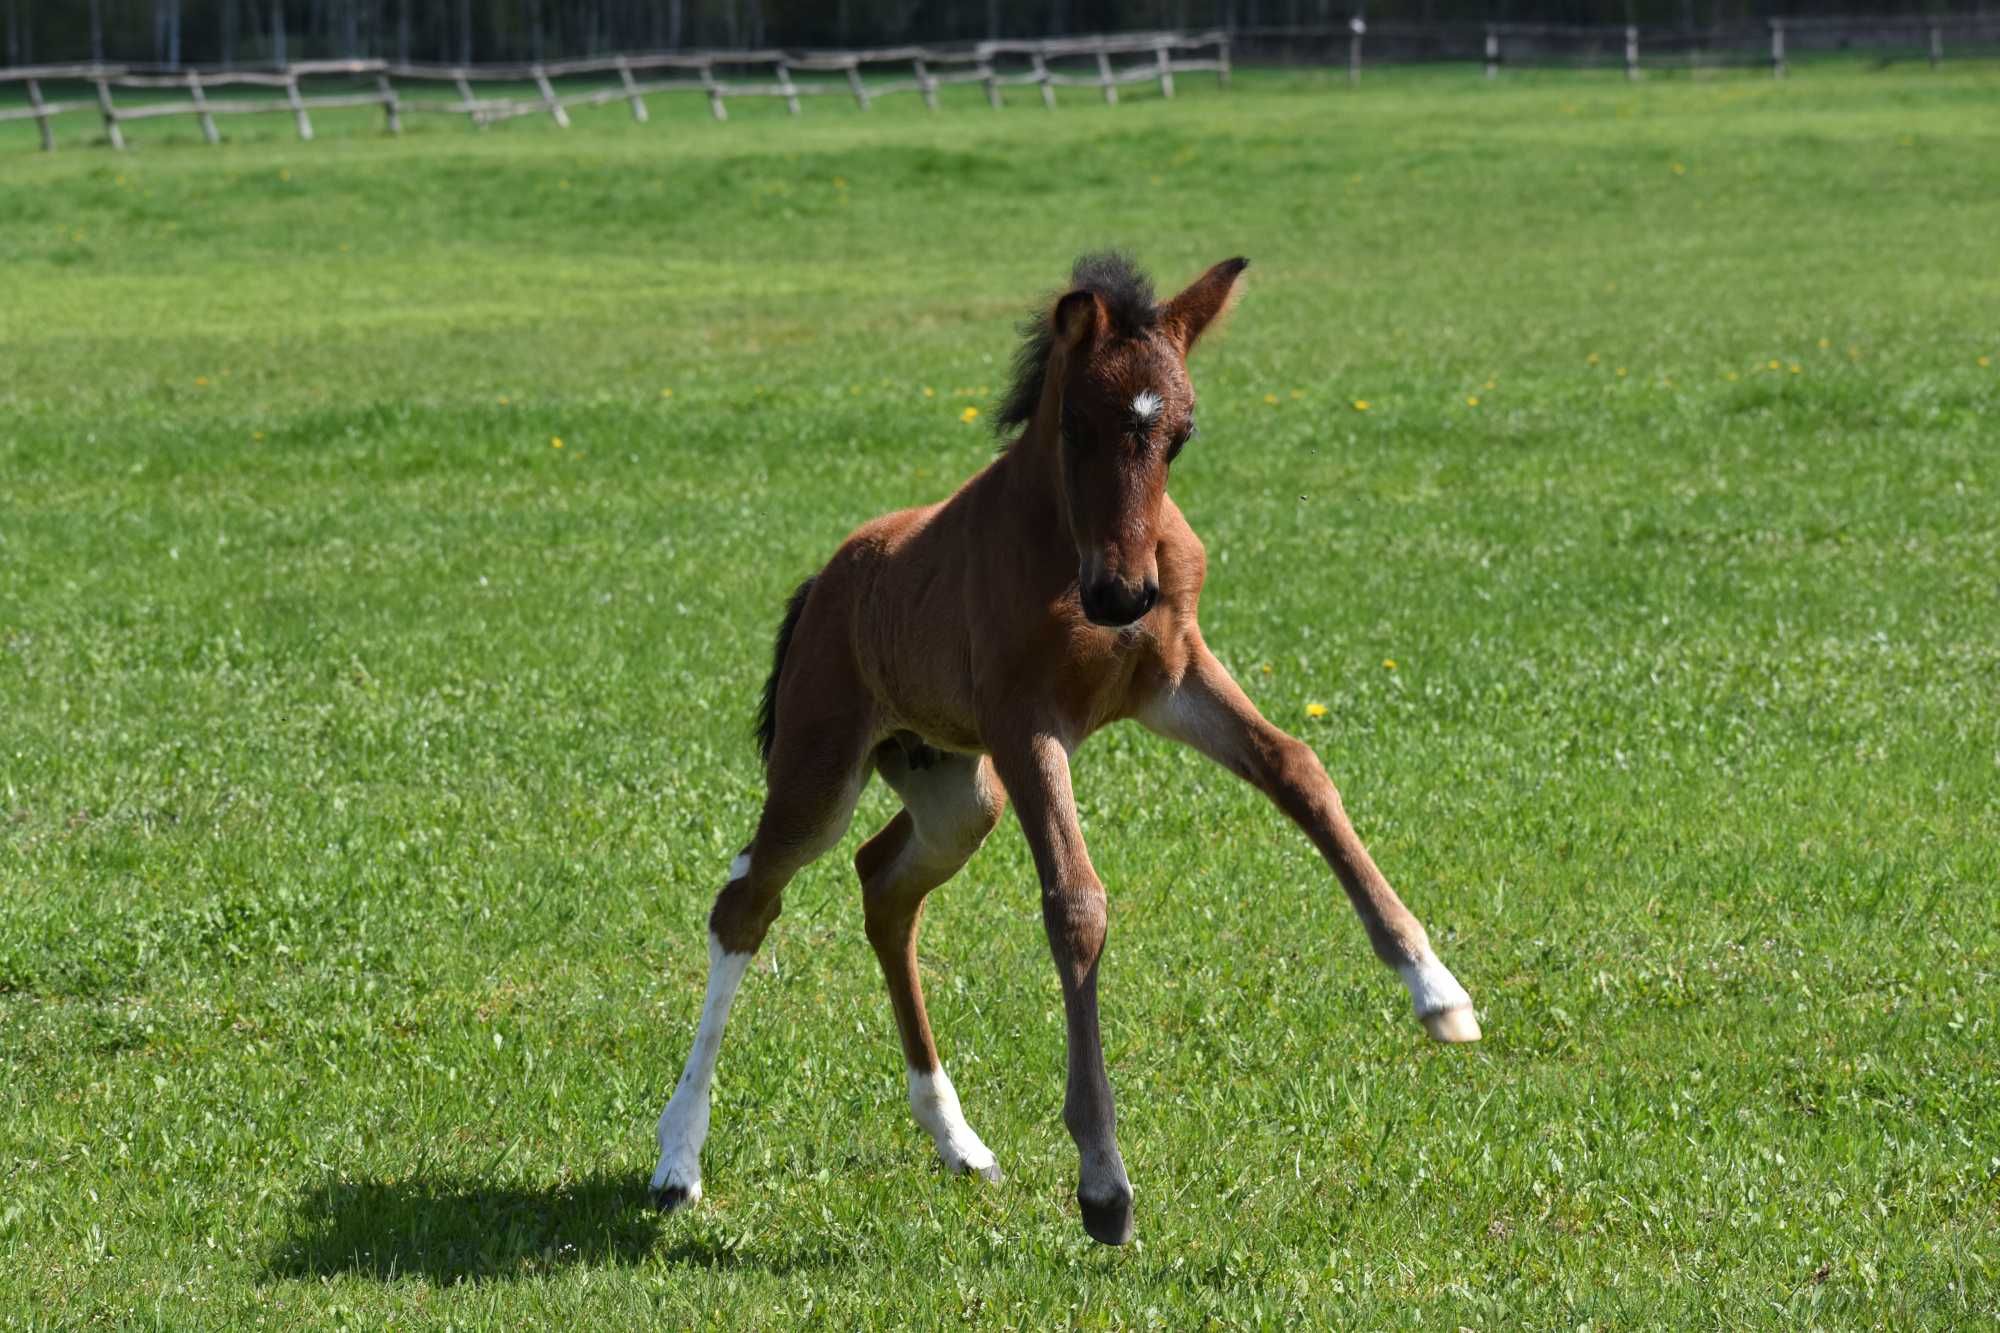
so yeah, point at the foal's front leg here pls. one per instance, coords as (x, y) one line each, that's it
(1035, 771)
(1210, 712)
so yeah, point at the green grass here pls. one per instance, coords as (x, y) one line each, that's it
(367, 764)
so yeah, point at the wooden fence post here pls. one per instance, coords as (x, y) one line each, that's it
(201, 108)
(465, 96)
(556, 112)
(1777, 48)
(298, 107)
(631, 90)
(1042, 77)
(1492, 53)
(1355, 27)
(925, 83)
(1937, 45)
(1222, 61)
(855, 85)
(714, 90)
(111, 130)
(786, 86)
(391, 111)
(1166, 64)
(1631, 52)
(1104, 78)
(985, 68)
(42, 117)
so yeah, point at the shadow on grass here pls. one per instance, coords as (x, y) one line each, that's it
(448, 1229)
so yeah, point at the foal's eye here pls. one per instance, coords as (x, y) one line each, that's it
(1180, 442)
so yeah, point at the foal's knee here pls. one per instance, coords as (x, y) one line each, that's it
(1074, 913)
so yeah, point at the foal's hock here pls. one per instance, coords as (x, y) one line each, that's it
(963, 650)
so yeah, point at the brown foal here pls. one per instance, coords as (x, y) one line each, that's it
(963, 650)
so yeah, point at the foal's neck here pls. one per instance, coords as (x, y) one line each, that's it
(1032, 471)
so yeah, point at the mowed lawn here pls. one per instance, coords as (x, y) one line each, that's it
(391, 537)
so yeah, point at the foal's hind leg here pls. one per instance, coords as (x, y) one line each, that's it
(815, 774)
(950, 803)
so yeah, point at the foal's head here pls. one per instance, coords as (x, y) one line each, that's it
(1105, 368)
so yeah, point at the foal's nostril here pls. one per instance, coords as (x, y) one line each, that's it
(1149, 596)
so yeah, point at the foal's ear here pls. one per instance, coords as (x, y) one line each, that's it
(1077, 319)
(1206, 299)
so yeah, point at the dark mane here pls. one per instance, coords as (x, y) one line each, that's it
(1128, 298)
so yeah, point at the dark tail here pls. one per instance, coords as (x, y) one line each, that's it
(767, 712)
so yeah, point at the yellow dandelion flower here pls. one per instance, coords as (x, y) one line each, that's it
(1796, 368)
(854, 390)
(1680, 170)
(1590, 360)
(502, 400)
(1388, 664)
(1472, 400)
(555, 441)
(840, 182)
(1315, 710)
(256, 434)
(1985, 361)
(1361, 404)
(1825, 343)
(1621, 372)
(666, 393)
(929, 392)
(1729, 375)
(1271, 398)
(1298, 394)
(1491, 384)
(201, 380)
(1772, 365)
(1266, 668)
(969, 415)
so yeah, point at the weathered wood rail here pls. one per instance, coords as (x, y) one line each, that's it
(995, 65)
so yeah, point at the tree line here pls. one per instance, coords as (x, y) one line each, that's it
(226, 32)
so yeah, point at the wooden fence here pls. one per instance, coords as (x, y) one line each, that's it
(995, 65)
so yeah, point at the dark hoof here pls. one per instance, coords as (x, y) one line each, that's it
(1109, 1221)
(673, 1198)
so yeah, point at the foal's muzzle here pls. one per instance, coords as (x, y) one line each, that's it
(1114, 604)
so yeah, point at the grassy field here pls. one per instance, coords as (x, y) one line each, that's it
(391, 535)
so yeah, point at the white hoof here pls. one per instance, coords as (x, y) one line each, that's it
(935, 1103)
(1452, 1025)
(1441, 1004)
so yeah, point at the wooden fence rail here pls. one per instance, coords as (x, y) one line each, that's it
(990, 64)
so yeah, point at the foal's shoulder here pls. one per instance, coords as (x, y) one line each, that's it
(887, 533)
